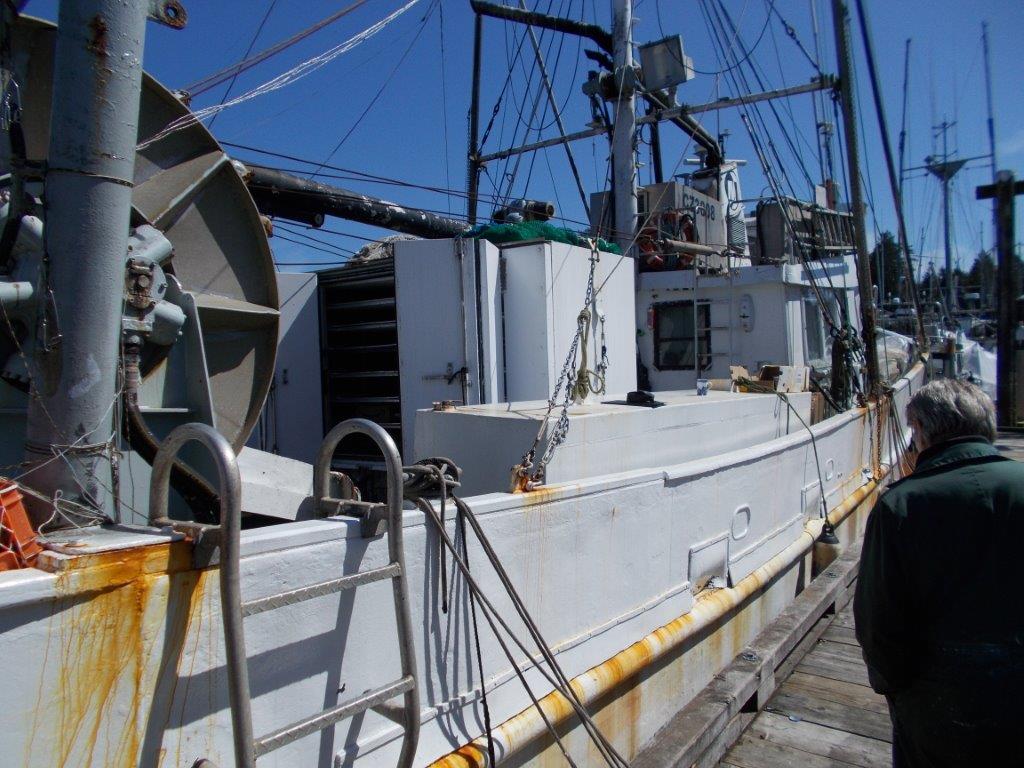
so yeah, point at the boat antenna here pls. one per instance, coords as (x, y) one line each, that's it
(894, 181)
(844, 54)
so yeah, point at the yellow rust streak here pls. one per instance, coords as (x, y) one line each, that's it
(97, 713)
(544, 494)
(710, 606)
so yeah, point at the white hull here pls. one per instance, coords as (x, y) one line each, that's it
(118, 659)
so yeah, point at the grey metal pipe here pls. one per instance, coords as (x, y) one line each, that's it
(544, 21)
(230, 580)
(624, 134)
(293, 197)
(93, 131)
(682, 246)
(396, 554)
(687, 123)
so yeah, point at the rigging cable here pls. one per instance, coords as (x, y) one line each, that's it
(840, 328)
(549, 90)
(764, 86)
(380, 91)
(326, 243)
(234, 70)
(556, 677)
(444, 102)
(894, 182)
(791, 33)
(281, 81)
(252, 43)
(760, 37)
(787, 104)
(332, 252)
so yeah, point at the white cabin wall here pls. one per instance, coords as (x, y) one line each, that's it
(796, 328)
(544, 290)
(435, 286)
(768, 339)
(491, 336)
(528, 312)
(508, 315)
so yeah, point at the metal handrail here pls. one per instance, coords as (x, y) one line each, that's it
(230, 583)
(396, 554)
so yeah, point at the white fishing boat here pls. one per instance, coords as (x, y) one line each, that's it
(584, 559)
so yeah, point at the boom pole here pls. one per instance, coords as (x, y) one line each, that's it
(841, 22)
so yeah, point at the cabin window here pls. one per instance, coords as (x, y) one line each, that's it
(816, 327)
(674, 335)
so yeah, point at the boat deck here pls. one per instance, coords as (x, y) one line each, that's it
(824, 715)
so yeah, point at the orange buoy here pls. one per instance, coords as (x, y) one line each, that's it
(19, 546)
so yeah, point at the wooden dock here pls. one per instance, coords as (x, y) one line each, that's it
(1011, 443)
(806, 668)
(824, 715)
(818, 710)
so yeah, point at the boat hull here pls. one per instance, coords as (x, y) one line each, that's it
(645, 583)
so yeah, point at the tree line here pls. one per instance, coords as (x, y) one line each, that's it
(889, 275)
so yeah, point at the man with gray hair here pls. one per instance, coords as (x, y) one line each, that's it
(939, 606)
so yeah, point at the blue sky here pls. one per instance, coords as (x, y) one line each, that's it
(402, 97)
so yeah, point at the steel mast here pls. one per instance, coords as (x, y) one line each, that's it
(623, 138)
(89, 178)
(945, 170)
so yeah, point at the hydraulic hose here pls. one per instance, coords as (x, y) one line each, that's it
(200, 496)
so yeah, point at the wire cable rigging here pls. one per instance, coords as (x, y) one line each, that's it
(234, 70)
(281, 81)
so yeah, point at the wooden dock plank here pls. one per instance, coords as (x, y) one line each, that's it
(752, 752)
(792, 702)
(835, 669)
(841, 651)
(823, 714)
(1011, 444)
(839, 634)
(824, 688)
(844, 619)
(699, 735)
(821, 740)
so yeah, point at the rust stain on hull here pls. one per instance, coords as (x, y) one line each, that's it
(109, 615)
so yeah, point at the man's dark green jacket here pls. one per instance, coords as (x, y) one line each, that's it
(941, 566)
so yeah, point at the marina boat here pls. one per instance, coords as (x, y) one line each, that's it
(557, 483)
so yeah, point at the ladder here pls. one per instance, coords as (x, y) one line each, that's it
(376, 518)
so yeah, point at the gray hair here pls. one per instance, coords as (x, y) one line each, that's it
(945, 409)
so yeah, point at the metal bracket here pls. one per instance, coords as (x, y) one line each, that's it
(373, 517)
(170, 13)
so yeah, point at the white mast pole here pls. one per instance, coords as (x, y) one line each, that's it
(623, 143)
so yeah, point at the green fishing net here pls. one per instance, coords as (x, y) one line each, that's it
(535, 230)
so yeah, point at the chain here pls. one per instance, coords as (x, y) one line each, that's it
(525, 474)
